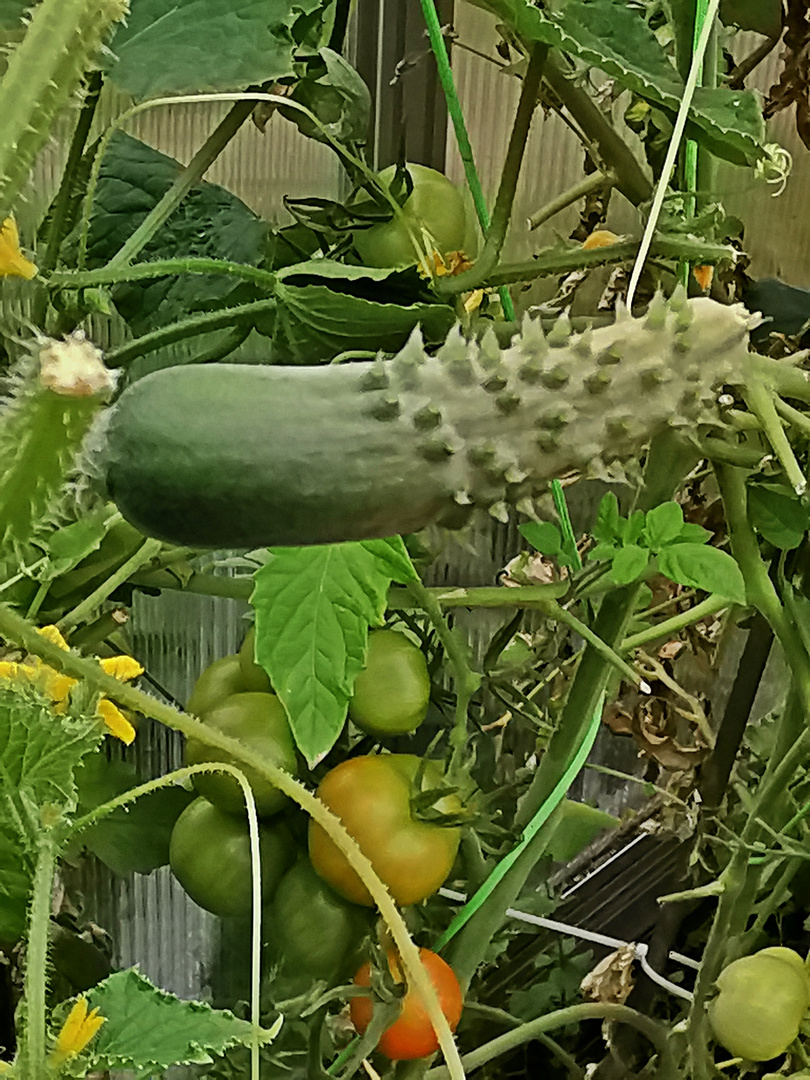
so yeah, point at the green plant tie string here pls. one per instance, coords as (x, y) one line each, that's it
(531, 830)
(561, 506)
(439, 48)
(690, 165)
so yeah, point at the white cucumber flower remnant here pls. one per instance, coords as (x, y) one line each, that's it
(74, 367)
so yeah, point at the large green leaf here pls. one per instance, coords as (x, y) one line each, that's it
(326, 308)
(148, 1030)
(39, 753)
(210, 223)
(178, 46)
(314, 606)
(615, 38)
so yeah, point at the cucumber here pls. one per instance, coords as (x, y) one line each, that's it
(241, 456)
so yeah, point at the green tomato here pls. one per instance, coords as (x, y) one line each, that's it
(391, 694)
(218, 681)
(372, 797)
(254, 677)
(311, 932)
(435, 213)
(258, 721)
(209, 854)
(579, 825)
(761, 1003)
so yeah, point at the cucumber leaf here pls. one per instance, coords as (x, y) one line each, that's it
(314, 606)
(613, 37)
(148, 1030)
(180, 46)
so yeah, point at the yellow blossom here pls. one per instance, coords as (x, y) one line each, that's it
(54, 635)
(115, 721)
(57, 686)
(600, 238)
(77, 1031)
(12, 261)
(122, 668)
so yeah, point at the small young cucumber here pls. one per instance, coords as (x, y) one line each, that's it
(237, 456)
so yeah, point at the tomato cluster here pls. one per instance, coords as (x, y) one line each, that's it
(209, 851)
(316, 908)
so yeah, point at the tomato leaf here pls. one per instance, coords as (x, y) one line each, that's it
(542, 535)
(778, 515)
(607, 527)
(148, 1030)
(702, 567)
(314, 606)
(663, 525)
(628, 563)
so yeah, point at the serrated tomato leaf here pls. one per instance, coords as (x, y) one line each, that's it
(314, 606)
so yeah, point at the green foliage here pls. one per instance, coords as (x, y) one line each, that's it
(613, 37)
(211, 223)
(313, 610)
(326, 308)
(778, 514)
(132, 839)
(629, 544)
(147, 1030)
(334, 92)
(168, 48)
(548, 540)
(39, 753)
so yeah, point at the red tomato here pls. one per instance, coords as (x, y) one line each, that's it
(411, 1035)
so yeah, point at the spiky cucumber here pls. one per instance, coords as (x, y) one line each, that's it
(62, 42)
(42, 427)
(240, 456)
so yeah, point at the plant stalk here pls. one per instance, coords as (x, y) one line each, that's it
(36, 962)
(595, 182)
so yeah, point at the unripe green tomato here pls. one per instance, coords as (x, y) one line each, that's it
(435, 205)
(258, 721)
(218, 681)
(209, 854)
(254, 677)
(761, 1003)
(392, 692)
(310, 931)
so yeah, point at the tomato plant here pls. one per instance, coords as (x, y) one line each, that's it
(209, 854)
(391, 693)
(411, 1035)
(372, 797)
(311, 931)
(435, 214)
(259, 721)
(761, 1001)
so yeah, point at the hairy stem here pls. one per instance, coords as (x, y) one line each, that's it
(496, 234)
(595, 182)
(466, 680)
(574, 1014)
(187, 179)
(710, 606)
(145, 553)
(186, 328)
(36, 962)
(82, 279)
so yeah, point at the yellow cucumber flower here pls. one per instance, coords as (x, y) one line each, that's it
(57, 686)
(77, 1031)
(12, 261)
